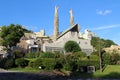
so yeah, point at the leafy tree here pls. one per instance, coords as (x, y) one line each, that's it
(115, 57)
(10, 35)
(106, 59)
(102, 43)
(71, 46)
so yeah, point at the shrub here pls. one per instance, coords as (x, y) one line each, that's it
(106, 59)
(33, 55)
(79, 55)
(88, 63)
(70, 65)
(45, 63)
(18, 54)
(49, 63)
(47, 55)
(6, 63)
(115, 57)
(93, 60)
(71, 46)
(21, 62)
(30, 55)
(36, 63)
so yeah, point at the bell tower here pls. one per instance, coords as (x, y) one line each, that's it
(56, 24)
(71, 18)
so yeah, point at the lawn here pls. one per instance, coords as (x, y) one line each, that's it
(111, 71)
(26, 69)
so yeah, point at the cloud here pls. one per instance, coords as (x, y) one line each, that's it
(107, 27)
(104, 12)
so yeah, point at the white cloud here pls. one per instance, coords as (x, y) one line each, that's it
(104, 12)
(107, 27)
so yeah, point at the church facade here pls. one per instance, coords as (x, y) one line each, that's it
(71, 34)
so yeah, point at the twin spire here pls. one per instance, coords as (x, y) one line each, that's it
(56, 22)
(71, 18)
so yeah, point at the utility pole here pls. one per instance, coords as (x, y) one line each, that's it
(100, 56)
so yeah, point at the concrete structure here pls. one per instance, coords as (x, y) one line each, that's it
(72, 33)
(71, 18)
(56, 24)
(32, 42)
(87, 34)
(113, 48)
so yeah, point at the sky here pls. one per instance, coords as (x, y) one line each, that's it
(99, 16)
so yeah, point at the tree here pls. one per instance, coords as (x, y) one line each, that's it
(71, 46)
(106, 59)
(10, 35)
(104, 43)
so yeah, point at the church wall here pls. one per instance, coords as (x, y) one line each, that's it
(58, 45)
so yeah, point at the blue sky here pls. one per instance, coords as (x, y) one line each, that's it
(100, 16)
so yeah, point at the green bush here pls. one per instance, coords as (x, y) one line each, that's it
(18, 54)
(44, 63)
(88, 63)
(21, 62)
(30, 55)
(70, 65)
(33, 55)
(36, 63)
(106, 59)
(78, 55)
(47, 55)
(115, 57)
(49, 63)
(72, 46)
(6, 63)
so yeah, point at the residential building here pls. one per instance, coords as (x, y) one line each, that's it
(112, 49)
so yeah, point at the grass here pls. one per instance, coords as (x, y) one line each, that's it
(26, 69)
(112, 68)
(111, 71)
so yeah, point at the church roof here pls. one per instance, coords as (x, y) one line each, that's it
(64, 32)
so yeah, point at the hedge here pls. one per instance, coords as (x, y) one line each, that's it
(88, 63)
(21, 62)
(6, 63)
(44, 63)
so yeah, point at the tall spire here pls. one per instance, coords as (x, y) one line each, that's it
(55, 34)
(71, 18)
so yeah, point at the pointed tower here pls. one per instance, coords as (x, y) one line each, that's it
(71, 18)
(55, 33)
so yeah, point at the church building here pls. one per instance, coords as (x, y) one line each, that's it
(71, 34)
